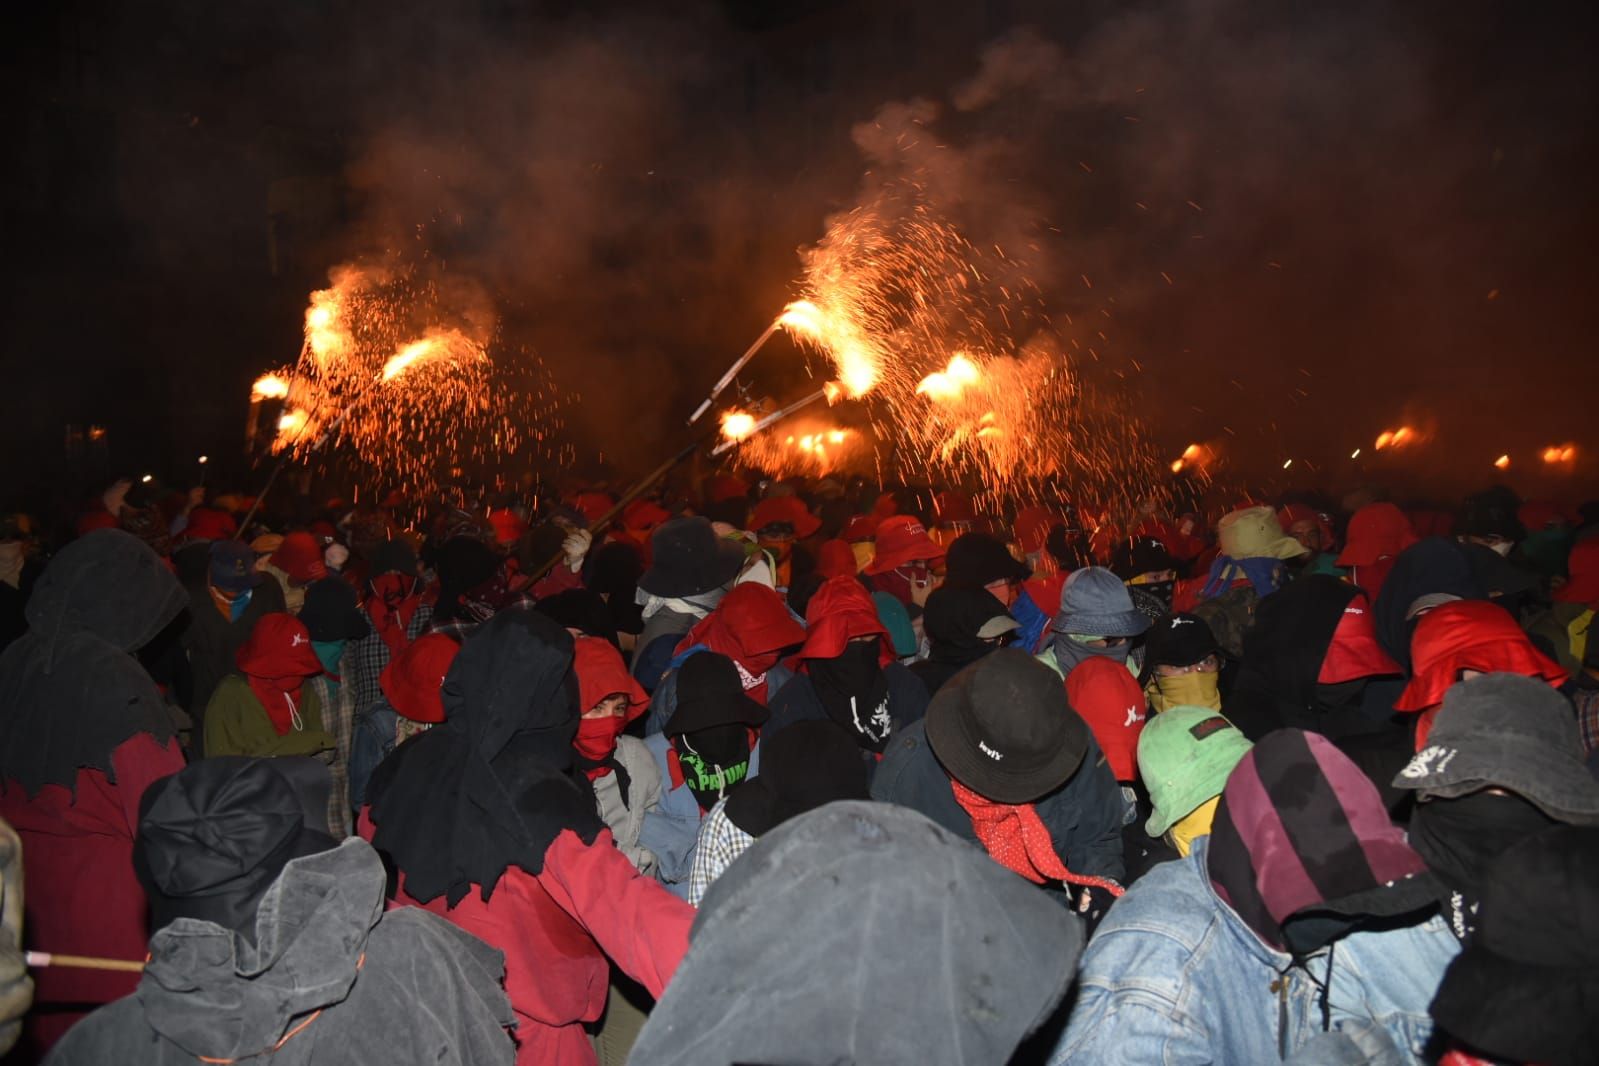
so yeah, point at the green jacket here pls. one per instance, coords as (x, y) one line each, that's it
(237, 724)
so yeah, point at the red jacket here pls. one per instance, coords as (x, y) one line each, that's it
(82, 897)
(558, 928)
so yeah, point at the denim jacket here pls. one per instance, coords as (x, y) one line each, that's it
(671, 829)
(1173, 975)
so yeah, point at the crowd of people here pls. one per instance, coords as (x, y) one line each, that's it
(800, 771)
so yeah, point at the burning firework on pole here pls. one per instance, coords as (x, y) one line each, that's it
(739, 427)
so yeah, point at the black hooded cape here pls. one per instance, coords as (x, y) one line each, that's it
(70, 690)
(492, 786)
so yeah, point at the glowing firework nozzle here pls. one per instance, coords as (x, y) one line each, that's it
(269, 387)
(737, 425)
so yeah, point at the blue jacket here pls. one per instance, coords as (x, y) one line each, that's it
(671, 830)
(1084, 817)
(370, 743)
(1173, 975)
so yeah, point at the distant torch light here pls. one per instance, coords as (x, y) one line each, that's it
(1355, 454)
(204, 459)
(147, 478)
(1287, 463)
(1503, 462)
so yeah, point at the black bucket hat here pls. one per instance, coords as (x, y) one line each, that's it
(1178, 640)
(1511, 732)
(214, 836)
(709, 694)
(977, 559)
(1524, 988)
(689, 559)
(1002, 727)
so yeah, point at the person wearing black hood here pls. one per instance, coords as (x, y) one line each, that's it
(807, 765)
(1503, 762)
(487, 823)
(864, 933)
(1432, 571)
(273, 941)
(705, 752)
(1307, 662)
(1524, 989)
(83, 732)
(962, 626)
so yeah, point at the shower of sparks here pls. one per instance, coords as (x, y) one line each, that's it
(395, 375)
(944, 342)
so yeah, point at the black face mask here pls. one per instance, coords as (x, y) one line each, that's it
(854, 692)
(713, 760)
(1460, 838)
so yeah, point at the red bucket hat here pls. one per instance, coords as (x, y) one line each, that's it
(789, 509)
(901, 539)
(300, 556)
(1377, 530)
(414, 679)
(1469, 635)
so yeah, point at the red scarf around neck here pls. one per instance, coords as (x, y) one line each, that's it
(392, 605)
(1016, 837)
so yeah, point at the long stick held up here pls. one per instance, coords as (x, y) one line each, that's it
(732, 371)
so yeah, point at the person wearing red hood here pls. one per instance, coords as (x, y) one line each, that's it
(904, 560)
(627, 783)
(1460, 641)
(848, 672)
(1377, 533)
(751, 626)
(398, 605)
(266, 708)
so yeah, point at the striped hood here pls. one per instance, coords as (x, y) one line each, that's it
(1303, 850)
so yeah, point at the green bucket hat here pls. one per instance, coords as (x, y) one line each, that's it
(1184, 757)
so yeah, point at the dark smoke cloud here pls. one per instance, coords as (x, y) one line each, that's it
(1365, 210)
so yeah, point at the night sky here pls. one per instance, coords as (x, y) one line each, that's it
(1296, 224)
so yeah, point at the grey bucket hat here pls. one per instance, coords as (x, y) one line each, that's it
(1510, 732)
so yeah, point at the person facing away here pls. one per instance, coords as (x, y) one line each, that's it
(1302, 911)
(487, 823)
(83, 732)
(272, 941)
(909, 946)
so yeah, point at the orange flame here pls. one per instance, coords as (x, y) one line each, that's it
(269, 387)
(1560, 453)
(949, 383)
(1503, 462)
(326, 333)
(736, 425)
(1397, 438)
(435, 345)
(858, 359)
